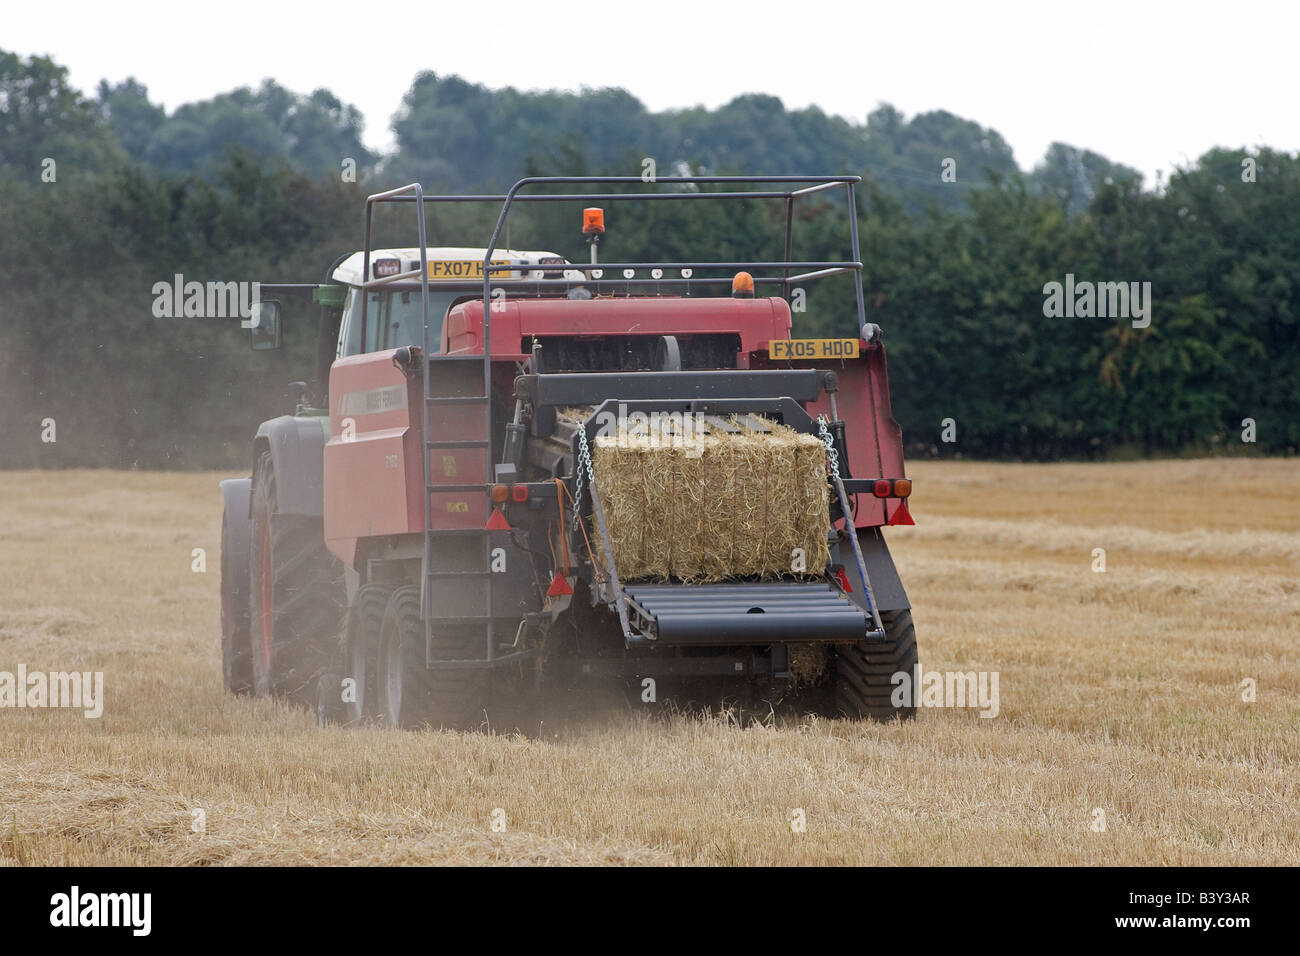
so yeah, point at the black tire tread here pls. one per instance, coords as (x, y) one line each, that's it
(236, 651)
(447, 699)
(864, 672)
(364, 621)
(307, 592)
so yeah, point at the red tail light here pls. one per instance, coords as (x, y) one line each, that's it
(892, 487)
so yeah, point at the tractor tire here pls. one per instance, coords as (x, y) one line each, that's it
(236, 649)
(864, 672)
(412, 695)
(296, 595)
(361, 655)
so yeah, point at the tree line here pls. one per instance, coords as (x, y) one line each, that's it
(102, 196)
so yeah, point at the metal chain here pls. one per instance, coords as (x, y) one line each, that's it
(831, 453)
(577, 495)
(584, 464)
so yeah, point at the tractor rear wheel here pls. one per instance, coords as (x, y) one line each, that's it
(236, 652)
(296, 595)
(864, 673)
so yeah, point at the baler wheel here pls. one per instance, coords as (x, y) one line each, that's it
(400, 674)
(411, 694)
(361, 651)
(863, 678)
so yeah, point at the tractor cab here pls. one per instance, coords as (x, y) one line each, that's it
(389, 314)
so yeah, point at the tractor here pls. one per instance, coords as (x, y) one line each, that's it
(428, 537)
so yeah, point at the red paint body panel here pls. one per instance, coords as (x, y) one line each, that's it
(756, 321)
(875, 441)
(373, 480)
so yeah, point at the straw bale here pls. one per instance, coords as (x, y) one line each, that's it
(715, 506)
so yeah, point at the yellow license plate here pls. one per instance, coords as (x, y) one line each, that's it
(813, 348)
(453, 269)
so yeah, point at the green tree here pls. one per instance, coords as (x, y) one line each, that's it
(42, 117)
(133, 119)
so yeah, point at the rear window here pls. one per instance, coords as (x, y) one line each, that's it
(393, 320)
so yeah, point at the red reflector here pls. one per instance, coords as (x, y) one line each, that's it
(881, 489)
(497, 521)
(519, 493)
(902, 515)
(559, 587)
(842, 580)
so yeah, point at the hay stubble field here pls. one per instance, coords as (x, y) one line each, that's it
(1119, 691)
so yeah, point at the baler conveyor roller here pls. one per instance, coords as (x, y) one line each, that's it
(745, 613)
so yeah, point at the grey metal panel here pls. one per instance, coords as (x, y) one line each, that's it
(584, 388)
(297, 445)
(457, 598)
(886, 586)
(728, 614)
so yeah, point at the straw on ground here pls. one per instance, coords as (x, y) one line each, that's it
(1120, 691)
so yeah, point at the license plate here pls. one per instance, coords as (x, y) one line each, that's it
(813, 348)
(464, 269)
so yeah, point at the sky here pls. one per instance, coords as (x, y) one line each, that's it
(1151, 85)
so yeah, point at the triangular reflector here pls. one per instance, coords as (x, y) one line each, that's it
(559, 587)
(497, 522)
(902, 515)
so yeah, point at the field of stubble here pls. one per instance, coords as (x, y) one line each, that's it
(1119, 691)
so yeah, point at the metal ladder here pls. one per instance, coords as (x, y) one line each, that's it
(482, 573)
(428, 573)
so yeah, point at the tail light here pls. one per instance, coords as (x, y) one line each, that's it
(892, 487)
(519, 493)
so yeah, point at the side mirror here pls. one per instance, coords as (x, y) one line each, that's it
(264, 325)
